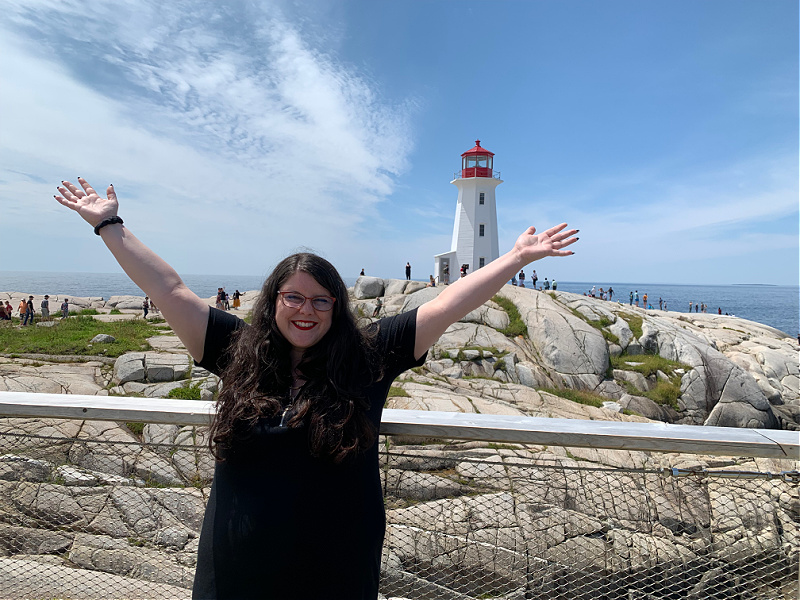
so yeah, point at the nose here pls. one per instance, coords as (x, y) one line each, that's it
(307, 308)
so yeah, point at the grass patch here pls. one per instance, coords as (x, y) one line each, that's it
(469, 377)
(647, 364)
(600, 325)
(71, 336)
(634, 322)
(185, 392)
(396, 391)
(135, 428)
(87, 312)
(496, 446)
(516, 325)
(115, 311)
(579, 396)
(665, 392)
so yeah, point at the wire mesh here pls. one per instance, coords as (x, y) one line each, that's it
(92, 509)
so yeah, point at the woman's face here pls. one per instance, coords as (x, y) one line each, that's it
(302, 327)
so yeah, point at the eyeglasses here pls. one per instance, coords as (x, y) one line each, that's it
(297, 300)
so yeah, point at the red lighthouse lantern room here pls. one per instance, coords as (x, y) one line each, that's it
(476, 162)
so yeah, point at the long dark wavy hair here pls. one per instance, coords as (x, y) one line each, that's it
(336, 371)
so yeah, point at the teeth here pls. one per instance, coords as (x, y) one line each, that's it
(304, 323)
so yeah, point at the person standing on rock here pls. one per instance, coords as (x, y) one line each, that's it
(296, 507)
(9, 310)
(408, 271)
(237, 299)
(29, 312)
(65, 308)
(446, 274)
(534, 278)
(521, 277)
(45, 306)
(146, 306)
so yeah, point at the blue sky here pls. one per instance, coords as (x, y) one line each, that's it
(238, 132)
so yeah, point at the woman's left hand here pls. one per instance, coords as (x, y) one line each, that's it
(531, 246)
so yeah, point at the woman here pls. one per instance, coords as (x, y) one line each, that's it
(237, 299)
(296, 507)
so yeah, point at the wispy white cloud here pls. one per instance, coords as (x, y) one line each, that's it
(223, 105)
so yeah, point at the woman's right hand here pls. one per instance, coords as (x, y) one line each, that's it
(88, 203)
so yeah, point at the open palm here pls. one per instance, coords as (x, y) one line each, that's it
(87, 202)
(532, 246)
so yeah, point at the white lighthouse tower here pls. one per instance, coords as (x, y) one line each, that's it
(475, 240)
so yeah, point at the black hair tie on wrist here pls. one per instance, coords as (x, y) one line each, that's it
(109, 221)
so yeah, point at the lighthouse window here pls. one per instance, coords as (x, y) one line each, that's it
(482, 161)
(481, 198)
(480, 230)
(481, 262)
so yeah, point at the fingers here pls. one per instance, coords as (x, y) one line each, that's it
(64, 202)
(564, 235)
(66, 193)
(554, 230)
(110, 193)
(86, 187)
(71, 191)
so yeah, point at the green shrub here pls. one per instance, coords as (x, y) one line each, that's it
(185, 392)
(88, 312)
(115, 311)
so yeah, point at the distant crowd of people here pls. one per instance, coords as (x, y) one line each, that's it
(27, 311)
(223, 301)
(547, 284)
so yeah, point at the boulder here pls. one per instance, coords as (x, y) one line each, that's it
(103, 338)
(125, 302)
(395, 286)
(418, 298)
(151, 367)
(368, 287)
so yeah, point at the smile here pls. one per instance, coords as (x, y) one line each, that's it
(304, 325)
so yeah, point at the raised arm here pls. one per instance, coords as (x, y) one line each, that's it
(185, 312)
(469, 292)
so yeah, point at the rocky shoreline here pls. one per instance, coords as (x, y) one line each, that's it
(90, 504)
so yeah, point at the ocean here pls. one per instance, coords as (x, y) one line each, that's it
(774, 305)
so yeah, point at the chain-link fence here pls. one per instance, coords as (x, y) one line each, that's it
(96, 509)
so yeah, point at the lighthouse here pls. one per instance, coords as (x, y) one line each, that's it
(475, 242)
